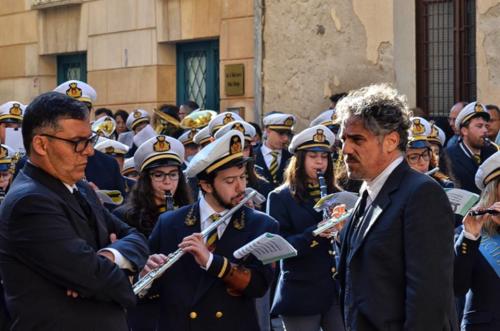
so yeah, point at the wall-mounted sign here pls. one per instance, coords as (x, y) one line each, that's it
(235, 79)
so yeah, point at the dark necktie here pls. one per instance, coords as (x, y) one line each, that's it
(360, 223)
(85, 206)
(213, 237)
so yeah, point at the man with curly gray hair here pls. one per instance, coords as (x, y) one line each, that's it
(396, 261)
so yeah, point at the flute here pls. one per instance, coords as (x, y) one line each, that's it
(150, 277)
(482, 212)
(432, 171)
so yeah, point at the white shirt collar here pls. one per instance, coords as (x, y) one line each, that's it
(205, 212)
(266, 150)
(71, 188)
(373, 187)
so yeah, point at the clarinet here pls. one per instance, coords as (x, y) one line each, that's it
(169, 201)
(323, 189)
(2, 195)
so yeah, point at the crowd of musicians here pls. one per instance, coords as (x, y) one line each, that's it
(98, 200)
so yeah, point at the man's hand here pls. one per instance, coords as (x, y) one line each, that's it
(194, 245)
(113, 237)
(154, 261)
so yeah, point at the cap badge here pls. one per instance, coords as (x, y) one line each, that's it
(74, 91)
(319, 137)
(239, 127)
(478, 108)
(161, 145)
(228, 118)
(289, 121)
(417, 129)
(191, 134)
(235, 146)
(110, 150)
(434, 131)
(15, 109)
(137, 114)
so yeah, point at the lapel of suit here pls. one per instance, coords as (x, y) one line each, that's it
(102, 234)
(78, 221)
(382, 201)
(346, 234)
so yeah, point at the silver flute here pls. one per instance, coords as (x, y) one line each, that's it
(173, 257)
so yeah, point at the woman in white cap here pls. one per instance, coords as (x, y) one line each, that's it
(306, 293)
(161, 187)
(161, 184)
(477, 268)
(7, 165)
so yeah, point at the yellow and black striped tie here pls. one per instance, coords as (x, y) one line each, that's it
(273, 169)
(212, 239)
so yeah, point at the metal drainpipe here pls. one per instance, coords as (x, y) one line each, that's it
(258, 24)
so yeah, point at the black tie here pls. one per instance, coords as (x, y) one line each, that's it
(84, 205)
(359, 220)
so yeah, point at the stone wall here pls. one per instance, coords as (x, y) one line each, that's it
(488, 51)
(314, 48)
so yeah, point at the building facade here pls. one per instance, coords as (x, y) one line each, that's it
(252, 56)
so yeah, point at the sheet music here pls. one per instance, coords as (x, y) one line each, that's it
(461, 200)
(268, 248)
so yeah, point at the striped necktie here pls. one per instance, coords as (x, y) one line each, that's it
(213, 237)
(273, 169)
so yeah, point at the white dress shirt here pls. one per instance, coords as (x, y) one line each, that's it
(374, 186)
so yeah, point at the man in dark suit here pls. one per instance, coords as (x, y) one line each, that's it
(209, 289)
(396, 262)
(472, 148)
(64, 260)
(272, 156)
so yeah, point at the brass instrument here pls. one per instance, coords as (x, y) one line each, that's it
(169, 201)
(105, 128)
(162, 121)
(197, 119)
(150, 277)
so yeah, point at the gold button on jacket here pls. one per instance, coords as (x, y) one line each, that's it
(218, 314)
(193, 315)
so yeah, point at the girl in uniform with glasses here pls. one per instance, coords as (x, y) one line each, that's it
(419, 152)
(161, 187)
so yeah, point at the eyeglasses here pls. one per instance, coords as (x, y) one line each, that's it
(159, 176)
(414, 158)
(78, 145)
